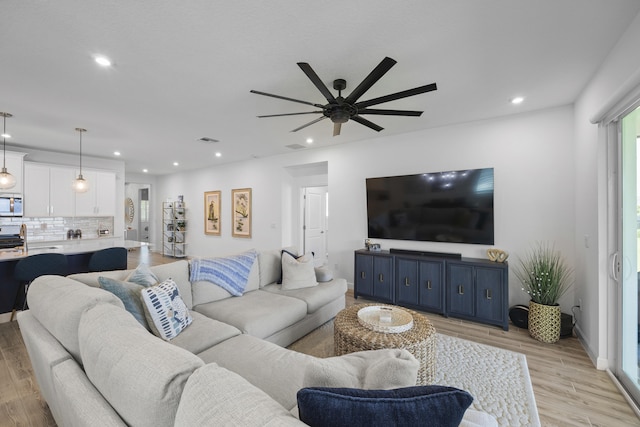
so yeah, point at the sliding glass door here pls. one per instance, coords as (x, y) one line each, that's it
(627, 369)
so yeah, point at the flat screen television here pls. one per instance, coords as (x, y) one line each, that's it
(452, 206)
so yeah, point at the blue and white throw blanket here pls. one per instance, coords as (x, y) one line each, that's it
(231, 273)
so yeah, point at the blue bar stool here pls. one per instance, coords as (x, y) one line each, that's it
(108, 259)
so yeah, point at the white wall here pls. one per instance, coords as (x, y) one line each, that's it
(534, 169)
(619, 73)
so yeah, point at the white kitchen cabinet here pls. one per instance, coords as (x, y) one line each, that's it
(14, 162)
(48, 190)
(100, 199)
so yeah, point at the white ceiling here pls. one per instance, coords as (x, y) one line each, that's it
(183, 70)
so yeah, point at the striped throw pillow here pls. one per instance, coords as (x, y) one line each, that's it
(166, 312)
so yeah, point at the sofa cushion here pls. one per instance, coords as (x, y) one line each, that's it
(166, 313)
(204, 291)
(177, 270)
(83, 404)
(298, 272)
(373, 369)
(436, 406)
(142, 275)
(323, 274)
(315, 297)
(140, 375)
(58, 302)
(215, 396)
(203, 333)
(230, 272)
(256, 313)
(129, 293)
(271, 265)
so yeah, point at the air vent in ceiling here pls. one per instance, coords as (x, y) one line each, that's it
(207, 139)
(295, 146)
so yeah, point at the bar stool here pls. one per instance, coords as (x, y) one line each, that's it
(27, 269)
(108, 259)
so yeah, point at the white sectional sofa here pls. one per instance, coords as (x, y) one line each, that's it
(97, 365)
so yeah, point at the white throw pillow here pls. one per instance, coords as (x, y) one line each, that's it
(166, 312)
(298, 272)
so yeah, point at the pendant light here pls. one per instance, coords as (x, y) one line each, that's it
(80, 185)
(7, 180)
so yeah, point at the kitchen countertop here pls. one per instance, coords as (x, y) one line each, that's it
(67, 247)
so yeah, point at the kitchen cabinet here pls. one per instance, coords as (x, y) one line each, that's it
(15, 164)
(100, 199)
(48, 191)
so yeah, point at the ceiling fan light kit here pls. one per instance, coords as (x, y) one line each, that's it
(340, 110)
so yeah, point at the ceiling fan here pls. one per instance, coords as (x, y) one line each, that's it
(340, 109)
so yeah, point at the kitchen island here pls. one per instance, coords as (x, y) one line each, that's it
(77, 251)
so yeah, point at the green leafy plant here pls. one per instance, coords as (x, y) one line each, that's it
(544, 274)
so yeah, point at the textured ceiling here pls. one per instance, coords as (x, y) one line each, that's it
(183, 70)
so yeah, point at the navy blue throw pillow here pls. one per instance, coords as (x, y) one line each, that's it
(410, 406)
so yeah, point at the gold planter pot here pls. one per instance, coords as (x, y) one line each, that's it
(544, 322)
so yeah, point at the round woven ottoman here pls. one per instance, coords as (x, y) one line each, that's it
(350, 336)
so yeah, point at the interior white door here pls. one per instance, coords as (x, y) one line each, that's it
(316, 223)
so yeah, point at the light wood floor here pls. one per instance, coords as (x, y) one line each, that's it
(569, 391)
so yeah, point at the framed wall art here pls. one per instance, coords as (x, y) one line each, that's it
(212, 213)
(241, 212)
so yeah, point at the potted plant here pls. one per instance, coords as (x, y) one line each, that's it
(545, 276)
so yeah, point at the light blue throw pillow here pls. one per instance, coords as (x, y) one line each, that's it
(166, 312)
(143, 275)
(129, 293)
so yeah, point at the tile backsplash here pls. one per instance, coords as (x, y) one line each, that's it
(55, 228)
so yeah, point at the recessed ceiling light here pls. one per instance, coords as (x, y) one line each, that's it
(5, 135)
(517, 100)
(116, 153)
(175, 163)
(309, 140)
(145, 170)
(102, 60)
(218, 154)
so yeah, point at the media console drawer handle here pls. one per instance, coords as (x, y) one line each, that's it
(429, 284)
(381, 277)
(362, 275)
(406, 281)
(460, 290)
(488, 293)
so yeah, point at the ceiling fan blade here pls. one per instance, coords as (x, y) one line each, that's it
(336, 129)
(310, 123)
(390, 112)
(375, 75)
(285, 98)
(397, 95)
(290, 114)
(367, 123)
(316, 81)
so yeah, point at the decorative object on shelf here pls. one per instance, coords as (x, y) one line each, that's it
(545, 276)
(241, 212)
(497, 255)
(129, 210)
(386, 319)
(80, 185)
(7, 180)
(212, 213)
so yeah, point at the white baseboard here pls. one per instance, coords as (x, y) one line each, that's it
(5, 317)
(600, 363)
